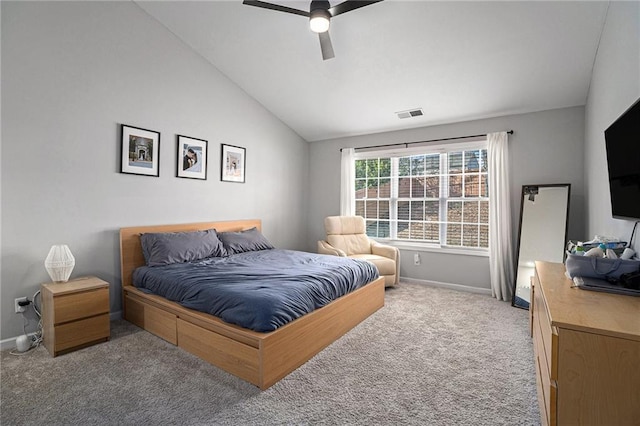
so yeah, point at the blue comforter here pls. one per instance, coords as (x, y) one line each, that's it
(259, 290)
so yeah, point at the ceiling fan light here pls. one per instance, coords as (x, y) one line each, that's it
(319, 21)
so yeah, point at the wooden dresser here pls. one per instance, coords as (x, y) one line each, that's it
(587, 352)
(75, 314)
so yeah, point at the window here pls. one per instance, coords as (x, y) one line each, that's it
(437, 197)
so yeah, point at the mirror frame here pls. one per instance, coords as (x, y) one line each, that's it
(526, 191)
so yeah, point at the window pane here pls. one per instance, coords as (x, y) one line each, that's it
(360, 188)
(417, 187)
(483, 162)
(472, 186)
(383, 229)
(372, 167)
(359, 208)
(470, 235)
(403, 210)
(384, 190)
(454, 211)
(432, 164)
(455, 162)
(371, 210)
(484, 236)
(471, 161)
(404, 167)
(432, 210)
(454, 234)
(372, 185)
(484, 212)
(470, 212)
(403, 230)
(361, 169)
(385, 167)
(455, 186)
(383, 210)
(417, 210)
(432, 187)
(484, 188)
(432, 232)
(404, 190)
(372, 228)
(417, 165)
(417, 231)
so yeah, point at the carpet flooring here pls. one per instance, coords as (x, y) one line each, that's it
(431, 356)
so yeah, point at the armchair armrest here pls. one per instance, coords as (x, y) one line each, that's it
(326, 248)
(384, 250)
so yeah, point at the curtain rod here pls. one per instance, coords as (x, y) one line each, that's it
(406, 144)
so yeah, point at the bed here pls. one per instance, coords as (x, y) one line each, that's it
(261, 358)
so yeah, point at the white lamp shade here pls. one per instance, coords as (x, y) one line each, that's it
(59, 263)
(319, 21)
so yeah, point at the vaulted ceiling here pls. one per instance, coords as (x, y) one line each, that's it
(457, 61)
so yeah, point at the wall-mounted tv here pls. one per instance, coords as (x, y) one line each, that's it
(623, 161)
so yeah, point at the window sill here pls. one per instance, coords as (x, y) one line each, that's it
(422, 247)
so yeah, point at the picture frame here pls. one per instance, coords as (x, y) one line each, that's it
(232, 163)
(140, 151)
(192, 157)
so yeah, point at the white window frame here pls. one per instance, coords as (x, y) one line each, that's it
(421, 149)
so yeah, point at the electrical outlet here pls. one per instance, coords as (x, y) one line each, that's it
(416, 258)
(19, 308)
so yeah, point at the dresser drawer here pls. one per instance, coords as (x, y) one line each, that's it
(548, 340)
(81, 332)
(70, 307)
(544, 411)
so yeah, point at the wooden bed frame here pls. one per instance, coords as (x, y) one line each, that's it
(259, 358)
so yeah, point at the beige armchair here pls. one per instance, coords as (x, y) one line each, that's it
(346, 236)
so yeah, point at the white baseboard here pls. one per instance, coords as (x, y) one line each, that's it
(458, 287)
(10, 343)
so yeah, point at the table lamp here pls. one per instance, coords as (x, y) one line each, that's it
(59, 263)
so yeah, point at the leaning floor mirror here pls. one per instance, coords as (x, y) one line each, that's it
(544, 214)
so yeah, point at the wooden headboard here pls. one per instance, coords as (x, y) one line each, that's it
(131, 255)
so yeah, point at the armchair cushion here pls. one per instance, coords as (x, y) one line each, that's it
(350, 244)
(384, 250)
(325, 248)
(347, 233)
(385, 265)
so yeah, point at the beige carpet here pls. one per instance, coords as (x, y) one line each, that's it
(431, 356)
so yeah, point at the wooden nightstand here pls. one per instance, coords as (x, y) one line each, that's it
(75, 314)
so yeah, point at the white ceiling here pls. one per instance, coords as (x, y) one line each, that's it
(457, 60)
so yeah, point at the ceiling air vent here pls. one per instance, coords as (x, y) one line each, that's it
(410, 113)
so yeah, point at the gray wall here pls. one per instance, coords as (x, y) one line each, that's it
(615, 86)
(546, 148)
(71, 73)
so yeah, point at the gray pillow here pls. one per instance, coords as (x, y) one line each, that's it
(178, 247)
(242, 241)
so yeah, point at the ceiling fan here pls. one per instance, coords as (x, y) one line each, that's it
(319, 14)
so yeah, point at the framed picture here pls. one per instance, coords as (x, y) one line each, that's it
(192, 158)
(232, 163)
(140, 151)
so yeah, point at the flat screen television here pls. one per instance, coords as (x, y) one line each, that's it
(623, 161)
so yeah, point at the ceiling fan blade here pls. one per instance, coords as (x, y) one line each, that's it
(276, 7)
(350, 5)
(325, 46)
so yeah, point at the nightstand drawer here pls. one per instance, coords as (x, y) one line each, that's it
(70, 307)
(81, 332)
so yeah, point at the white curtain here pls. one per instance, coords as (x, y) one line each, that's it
(501, 265)
(347, 190)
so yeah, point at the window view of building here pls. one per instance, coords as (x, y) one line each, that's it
(438, 198)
